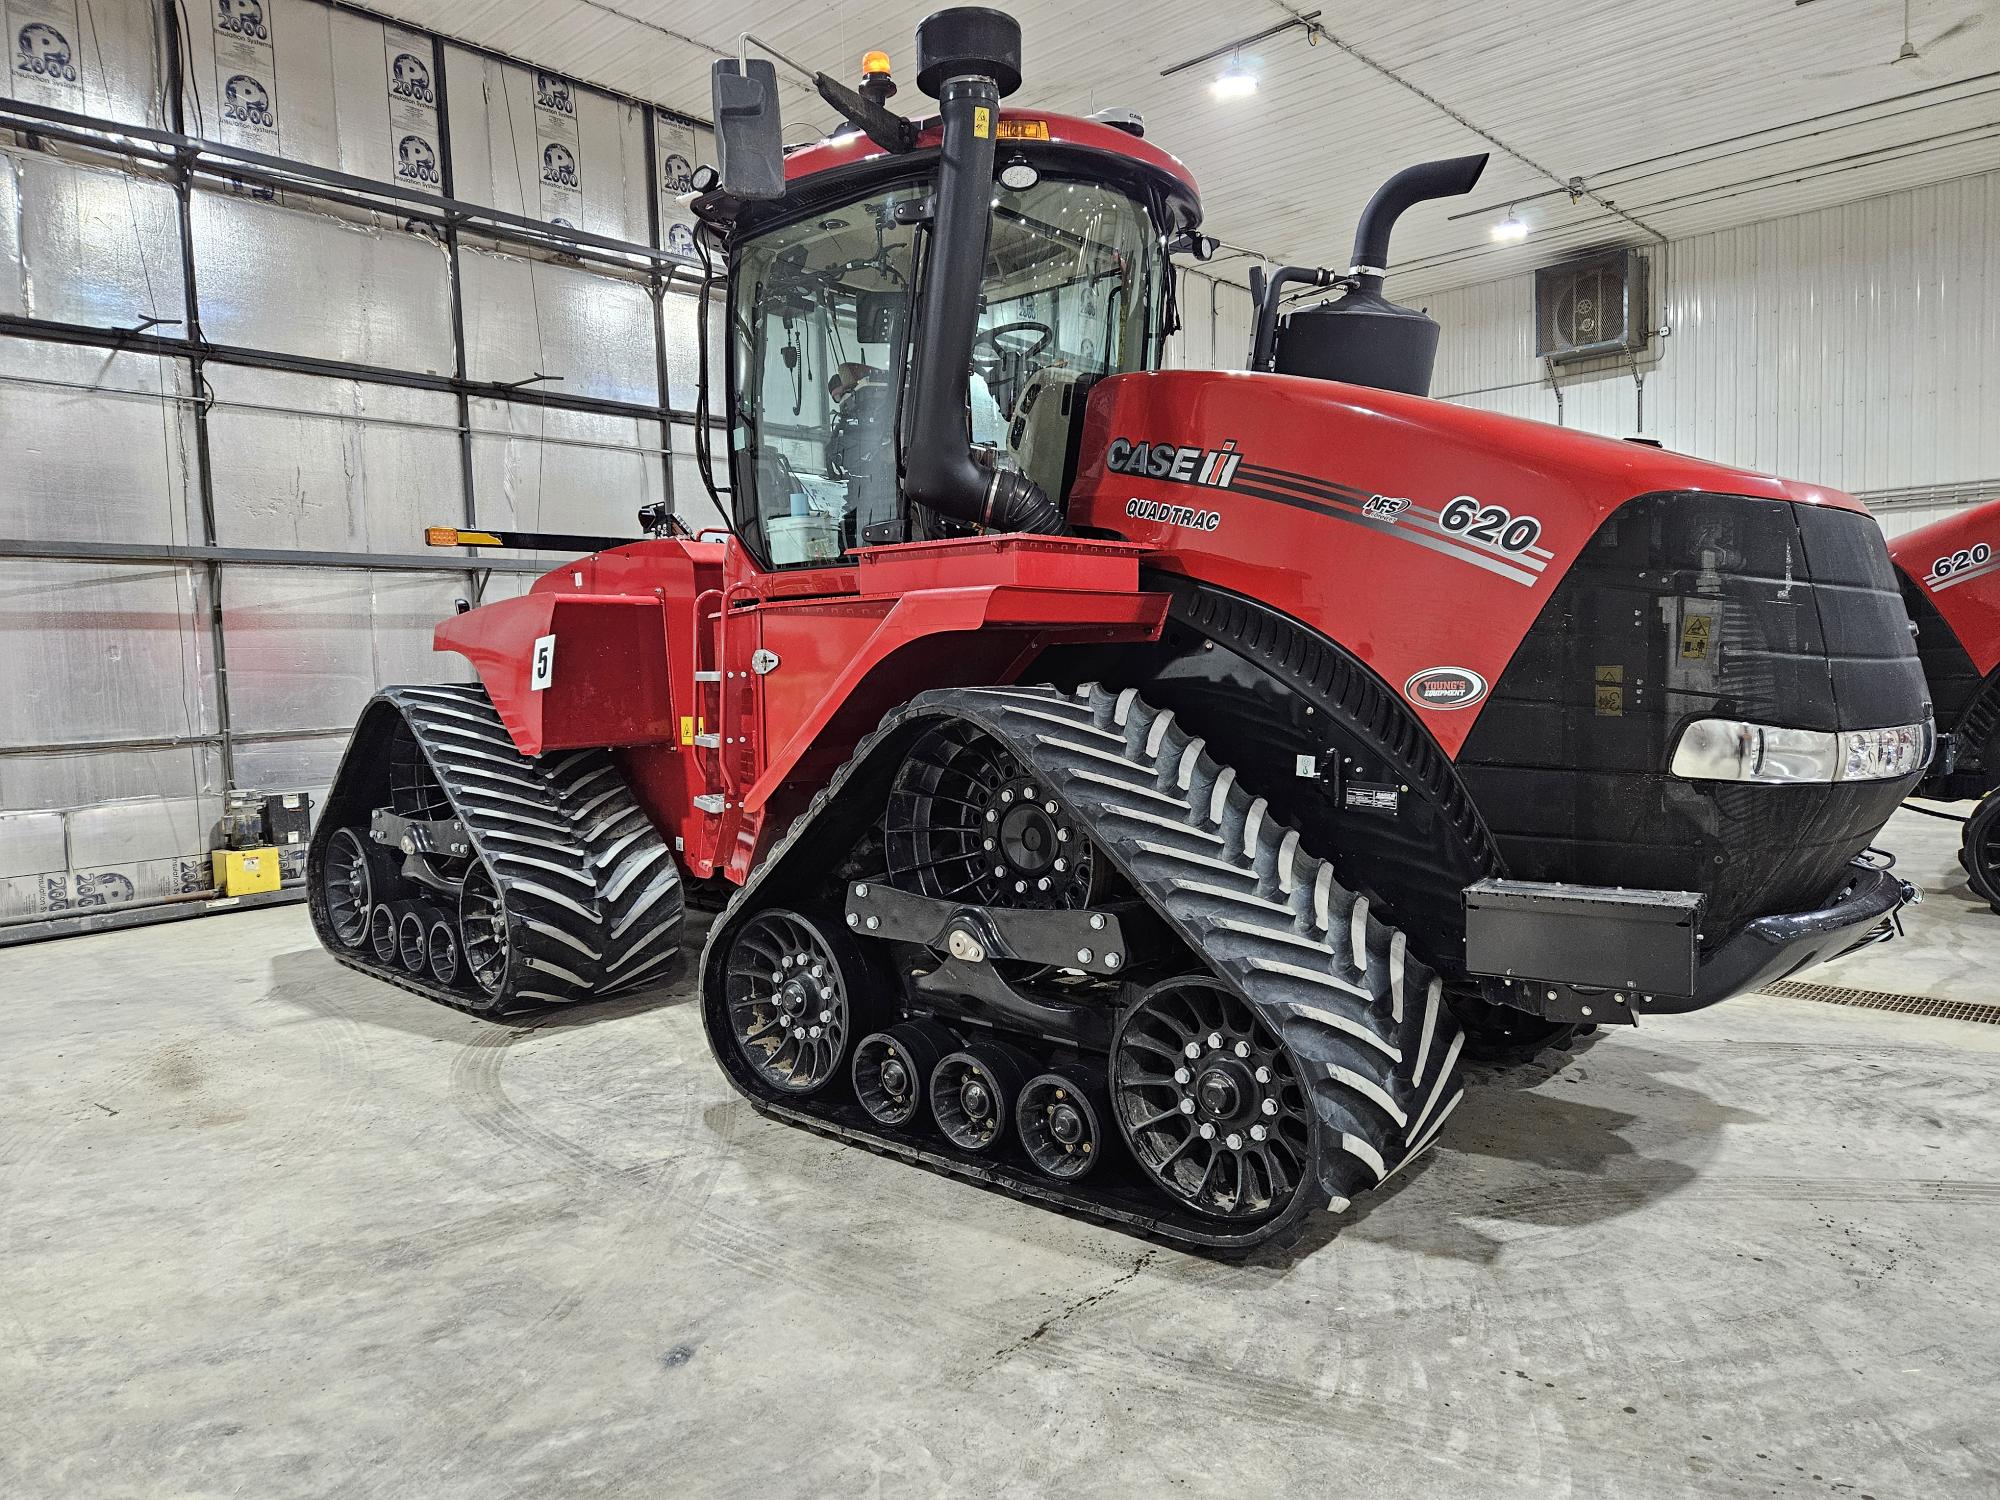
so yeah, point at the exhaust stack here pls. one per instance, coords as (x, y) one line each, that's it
(968, 59)
(1364, 338)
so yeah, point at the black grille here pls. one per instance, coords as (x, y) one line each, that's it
(1687, 606)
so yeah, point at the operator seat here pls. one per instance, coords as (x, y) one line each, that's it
(1046, 434)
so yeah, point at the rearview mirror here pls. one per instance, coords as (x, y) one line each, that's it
(748, 135)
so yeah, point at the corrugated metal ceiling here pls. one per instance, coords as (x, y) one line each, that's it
(1680, 116)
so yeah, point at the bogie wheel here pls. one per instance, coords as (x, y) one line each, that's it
(892, 1069)
(1061, 1125)
(382, 939)
(441, 948)
(1501, 1034)
(1210, 1101)
(1980, 851)
(347, 883)
(786, 989)
(973, 1094)
(482, 928)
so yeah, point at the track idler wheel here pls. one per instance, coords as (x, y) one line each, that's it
(892, 1070)
(482, 933)
(1061, 1125)
(788, 1002)
(1210, 1101)
(356, 875)
(973, 1093)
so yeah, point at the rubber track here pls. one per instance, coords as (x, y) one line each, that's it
(1365, 1021)
(592, 892)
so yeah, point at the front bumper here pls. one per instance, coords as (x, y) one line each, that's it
(1601, 954)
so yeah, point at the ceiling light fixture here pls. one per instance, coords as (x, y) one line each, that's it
(1234, 82)
(1510, 230)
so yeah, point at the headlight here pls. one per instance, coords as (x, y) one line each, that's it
(1731, 750)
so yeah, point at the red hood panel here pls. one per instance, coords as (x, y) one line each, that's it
(1449, 526)
(1956, 562)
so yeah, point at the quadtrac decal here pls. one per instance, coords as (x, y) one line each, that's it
(1445, 687)
(1184, 516)
(1487, 535)
(1962, 566)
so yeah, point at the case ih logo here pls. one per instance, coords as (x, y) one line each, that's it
(1445, 687)
(1212, 466)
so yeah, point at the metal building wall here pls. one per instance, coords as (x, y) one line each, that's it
(329, 280)
(1851, 346)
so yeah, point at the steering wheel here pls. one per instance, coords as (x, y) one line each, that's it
(990, 355)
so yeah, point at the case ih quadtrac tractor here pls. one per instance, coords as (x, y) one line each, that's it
(1139, 788)
(1950, 573)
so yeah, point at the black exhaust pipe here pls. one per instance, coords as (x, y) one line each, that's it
(1431, 179)
(968, 59)
(1364, 338)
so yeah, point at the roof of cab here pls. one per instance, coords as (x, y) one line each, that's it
(1063, 130)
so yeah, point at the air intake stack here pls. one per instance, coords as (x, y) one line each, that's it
(1364, 338)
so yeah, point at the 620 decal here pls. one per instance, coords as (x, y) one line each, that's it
(1959, 561)
(1493, 524)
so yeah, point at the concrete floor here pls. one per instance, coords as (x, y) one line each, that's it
(271, 1229)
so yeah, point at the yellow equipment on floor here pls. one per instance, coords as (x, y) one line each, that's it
(241, 872)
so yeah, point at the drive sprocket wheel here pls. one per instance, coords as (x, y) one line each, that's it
(1210, 1101)
(967, 821)
(788, 1002)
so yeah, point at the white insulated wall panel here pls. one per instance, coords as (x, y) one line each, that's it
(526, 317)
(542, 469)
(99, 445)
(532, 143)
(1851, 346)
(307, 648)
(295, 282)
(102, 651)
(109, 68)
(85, 244)
(331, 465)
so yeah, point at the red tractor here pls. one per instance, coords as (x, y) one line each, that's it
(1950, 573)
(1140, 789)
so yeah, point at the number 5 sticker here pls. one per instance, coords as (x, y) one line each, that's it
(543, 669)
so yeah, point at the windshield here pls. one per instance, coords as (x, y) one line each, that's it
(1068, 297)
(822, 310)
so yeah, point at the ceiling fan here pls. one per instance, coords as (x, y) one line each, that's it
(1910, 52)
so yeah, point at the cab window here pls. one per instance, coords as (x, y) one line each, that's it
(821, 318)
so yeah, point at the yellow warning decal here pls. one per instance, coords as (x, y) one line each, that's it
(687, 729)
(982, 121)
(1023, 130)
(1610, 674)
(1695, 633)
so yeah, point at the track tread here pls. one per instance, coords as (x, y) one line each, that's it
(1367, 1021)
(577, 862)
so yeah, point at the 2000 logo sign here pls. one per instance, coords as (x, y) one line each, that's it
(1963, 558)
(1495, 525)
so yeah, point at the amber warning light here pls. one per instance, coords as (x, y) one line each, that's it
(875, 64)
(452, 536)
(1023, 130)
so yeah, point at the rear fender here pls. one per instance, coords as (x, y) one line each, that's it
(570, 671)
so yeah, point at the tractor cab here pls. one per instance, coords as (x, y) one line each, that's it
(849, 305)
